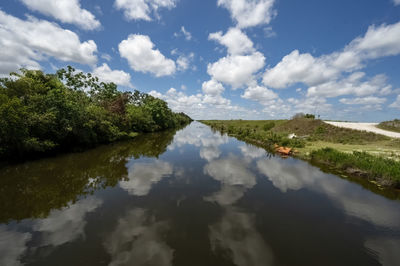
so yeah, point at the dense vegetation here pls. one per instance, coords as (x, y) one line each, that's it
(255, 131)
(393, 125)
(386, 171)
(42, 113)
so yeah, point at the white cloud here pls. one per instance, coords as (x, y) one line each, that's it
(142, 56)
(184, 61)
(210, 153)
(66, 11)
(363, 100)
(269, 32)
(232, 171)
(25, 42)
(203, 105)
(259, 94)
(106, 57)
(143, 175)
(359, 203)
(13, 245)
(250, 151)
(188, 35)
(66, 225)
(242, 62)
(249, 13)
(143, 9)
(217, 101)
(212, 87)
(396, 2)
(235, 40)
(119, 77)
(379, 41)
(396, 104)
(296, 67)
(236, 235)
(353, 84)
(139, 239)
(236, 70)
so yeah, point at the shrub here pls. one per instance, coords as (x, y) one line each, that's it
(268, 126)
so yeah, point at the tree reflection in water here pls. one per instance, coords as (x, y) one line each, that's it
(33, 189)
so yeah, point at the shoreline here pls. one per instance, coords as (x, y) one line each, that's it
(323, 158)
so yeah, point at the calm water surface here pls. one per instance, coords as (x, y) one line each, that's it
(191, 197)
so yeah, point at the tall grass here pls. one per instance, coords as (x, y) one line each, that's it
(361, 163)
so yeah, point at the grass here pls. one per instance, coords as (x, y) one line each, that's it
(393, 125)
(315, 130)
(388, 149)
(255, 131)
(383, 170)
(358, 153)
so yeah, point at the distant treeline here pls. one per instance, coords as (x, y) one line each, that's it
(41, 113)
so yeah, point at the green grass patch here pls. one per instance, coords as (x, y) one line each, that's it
(317, 130)
(383, 170)
(257, 131)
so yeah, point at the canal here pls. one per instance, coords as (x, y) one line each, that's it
(191, 197)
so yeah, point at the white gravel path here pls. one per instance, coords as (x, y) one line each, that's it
(371, 127)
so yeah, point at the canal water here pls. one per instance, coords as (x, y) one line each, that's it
(191, 197)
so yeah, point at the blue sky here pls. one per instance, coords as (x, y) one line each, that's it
(249, 59)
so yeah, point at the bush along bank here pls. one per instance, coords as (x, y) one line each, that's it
(47, 113)
(383, 172)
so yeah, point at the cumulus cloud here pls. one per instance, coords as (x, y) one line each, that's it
(363, 100)
(235, 40)
(259, 94)
(236, 70)
(183, 61)
(66, 225)
(142, 56)
(139, 239)
(379, 41)
(119, 77)
(25, 42)
(298, 175)
(236, 235)
(179, 101)
(396, 104)
(143, 9)
(212, 87)
(242, 62)
(141, 177)
(13, 245)
(66, 11)
(396, 2)
(249, 13)
(353, 84)
(232, 171)
(202, 105)
(296, 67)
(252, 152)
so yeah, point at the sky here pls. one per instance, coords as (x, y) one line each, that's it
(221, 59)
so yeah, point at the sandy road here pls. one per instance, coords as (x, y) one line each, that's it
(371, 127)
